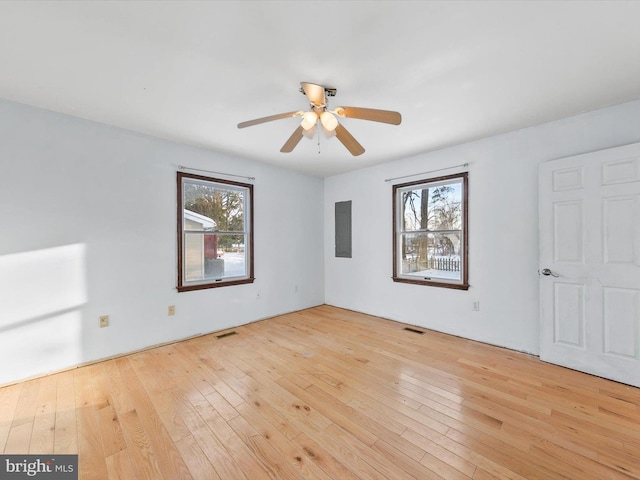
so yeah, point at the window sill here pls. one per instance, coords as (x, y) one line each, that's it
(431, 283)
(204, 286)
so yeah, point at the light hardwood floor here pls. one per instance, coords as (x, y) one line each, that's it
(328, 394)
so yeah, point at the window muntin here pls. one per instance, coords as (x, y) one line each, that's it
(215, 234)
(430, 240)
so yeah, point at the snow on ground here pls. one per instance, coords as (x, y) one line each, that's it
(436, 274)
(234, 264)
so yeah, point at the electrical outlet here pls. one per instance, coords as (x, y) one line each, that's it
(476, 306)
(104, 321)
(172, 310)
(258, 296)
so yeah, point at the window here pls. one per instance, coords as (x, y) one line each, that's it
(215, 232)
(430, 232)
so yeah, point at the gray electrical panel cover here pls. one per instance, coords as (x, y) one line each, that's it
(343, 229)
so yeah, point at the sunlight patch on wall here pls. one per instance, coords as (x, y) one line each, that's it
(42, 292)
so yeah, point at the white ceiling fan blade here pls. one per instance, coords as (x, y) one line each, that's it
(348, 141)
(270, 118)
(373, 114)
(294, 139)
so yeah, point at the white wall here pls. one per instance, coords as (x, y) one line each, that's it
(88, 228)
(503, 230)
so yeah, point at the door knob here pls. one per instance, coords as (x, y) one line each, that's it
(546, 272)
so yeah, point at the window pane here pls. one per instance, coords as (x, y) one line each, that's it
(432, 208)
(432, 255)
(413, 211)
(211, 256)
(224, 206)
(233, 252)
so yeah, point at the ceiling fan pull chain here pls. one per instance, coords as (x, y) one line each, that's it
(318, 132)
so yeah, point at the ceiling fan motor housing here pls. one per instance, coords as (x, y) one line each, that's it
(329, 92)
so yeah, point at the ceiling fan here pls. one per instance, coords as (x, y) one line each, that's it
(319, 113)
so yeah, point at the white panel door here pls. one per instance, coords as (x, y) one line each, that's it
(589, 209)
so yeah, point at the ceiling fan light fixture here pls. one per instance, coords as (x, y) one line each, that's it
(311, 132)
(309, 119)
(328, 121)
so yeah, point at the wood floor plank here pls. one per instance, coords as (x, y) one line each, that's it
(43, 432)
(438, 450)
(168, 458)
(199, 465)
(111, 431)
(245, 457)
(65, 432)
(144, 461)
(296, 456)
(91, 459)
(208, 379)
(471, 455)
(218, 456)
(333, 409)
(421, 469)
(119, 466)
(324, 394)
(274, 463)
(342, 450)
(8, 401)
(385, 466)
(222, 406)
(622, 462)
(19, 438)
(502, 453)
(161, 389)
(286, 403)
(481, 474)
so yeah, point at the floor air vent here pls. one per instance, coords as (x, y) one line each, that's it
(227, 334)
(409, 329)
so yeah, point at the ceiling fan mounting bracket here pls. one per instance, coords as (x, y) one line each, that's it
(329, 92)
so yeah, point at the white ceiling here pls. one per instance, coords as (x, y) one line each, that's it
(191, 71)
